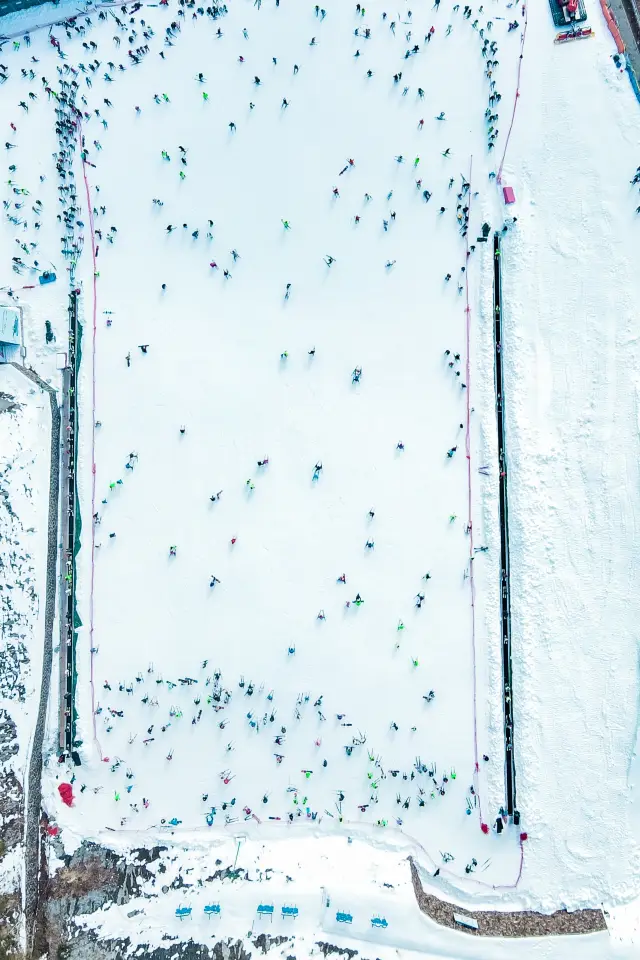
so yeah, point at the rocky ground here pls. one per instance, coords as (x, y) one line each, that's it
(18, 611)
(94, 876)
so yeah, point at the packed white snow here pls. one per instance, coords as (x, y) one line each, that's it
(338, 888)
(343, 383)
(352, 400)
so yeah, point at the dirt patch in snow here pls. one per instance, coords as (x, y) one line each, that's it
(523, 923)
(10, 911)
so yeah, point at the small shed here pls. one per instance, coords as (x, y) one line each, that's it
(10, 334)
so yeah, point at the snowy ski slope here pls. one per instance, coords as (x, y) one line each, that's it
(215, 365)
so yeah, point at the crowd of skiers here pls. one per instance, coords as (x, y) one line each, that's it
(72, 92)
(249, 706)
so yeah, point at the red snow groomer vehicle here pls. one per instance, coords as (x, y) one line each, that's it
(567, 12)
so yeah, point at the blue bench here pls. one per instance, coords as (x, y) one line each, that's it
(265, 910)
(379, 922)
(290, 911)
(344, 917)
(183, 912)
(211, 909)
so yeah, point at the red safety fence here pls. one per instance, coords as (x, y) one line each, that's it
(613, 26)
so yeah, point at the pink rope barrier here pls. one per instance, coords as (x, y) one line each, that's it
(482, 883)
(517, 96)
(93, 440)
(470, 514)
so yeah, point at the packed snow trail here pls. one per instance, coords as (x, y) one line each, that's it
(517, 94)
